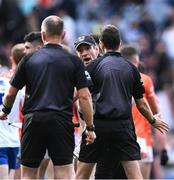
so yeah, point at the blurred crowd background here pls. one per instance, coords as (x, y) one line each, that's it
(149, 24)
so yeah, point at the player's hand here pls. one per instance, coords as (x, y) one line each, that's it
(164, 157)
(90, 137)
(3, 116)
(160, 124)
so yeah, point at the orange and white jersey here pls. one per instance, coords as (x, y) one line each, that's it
(142, 126)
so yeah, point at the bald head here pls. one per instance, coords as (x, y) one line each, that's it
(52, 26)
(130, 53)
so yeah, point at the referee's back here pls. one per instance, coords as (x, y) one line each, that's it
(115, 81)
(50, 78)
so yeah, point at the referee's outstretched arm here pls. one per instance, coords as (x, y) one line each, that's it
(155, 120)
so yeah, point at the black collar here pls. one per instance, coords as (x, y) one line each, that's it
(49, 45)
(113, 53)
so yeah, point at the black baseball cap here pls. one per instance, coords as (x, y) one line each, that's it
(84, 40)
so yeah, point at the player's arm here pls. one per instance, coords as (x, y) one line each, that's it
(8, 101)
(154, 120)
(151, 96)
(144, 109)
(152, 101)
(85, 103)
(143, 106)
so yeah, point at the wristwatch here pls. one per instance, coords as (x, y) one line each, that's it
(153, 120)
(6, 109)
(90, 128)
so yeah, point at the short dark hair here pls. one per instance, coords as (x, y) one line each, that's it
(52, 25)
(96, 37)
(128, 51)
(33, 37)
(110, 36)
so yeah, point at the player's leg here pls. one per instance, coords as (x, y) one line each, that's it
(29, 173)
(4, 163)
(50, 170)
(64, 171)
(146, 163)
(43, 168)
(4, 171)
(13, 163)
(17, 174)
(84, 170)
(132, 169)
(145, 169)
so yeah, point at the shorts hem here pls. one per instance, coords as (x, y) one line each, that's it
(61, 163)
(131, 159)
(86, 161)
(30, 164)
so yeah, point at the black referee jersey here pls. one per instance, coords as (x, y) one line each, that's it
(115, 81)
(50, 75)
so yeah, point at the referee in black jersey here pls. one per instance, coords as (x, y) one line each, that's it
(116, 81)
(50, 76)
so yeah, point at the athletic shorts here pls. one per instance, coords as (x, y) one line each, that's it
(43, 131)
(9, 156)
(149, 158)
(143, 147)
(121, 144)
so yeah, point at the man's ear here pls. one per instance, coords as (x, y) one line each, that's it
(101, 45)
(97, 49)
(63, 35)
(10, 60)
(121, 46)
(43, 36)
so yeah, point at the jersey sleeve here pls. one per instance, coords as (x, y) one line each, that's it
(149, 88)
(89, 80)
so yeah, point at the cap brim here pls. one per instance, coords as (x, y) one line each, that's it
(90, 44)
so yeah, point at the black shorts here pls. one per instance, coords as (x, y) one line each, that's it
(122, 146)
(46, 130)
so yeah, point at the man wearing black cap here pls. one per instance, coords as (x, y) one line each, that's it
(86, 48)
